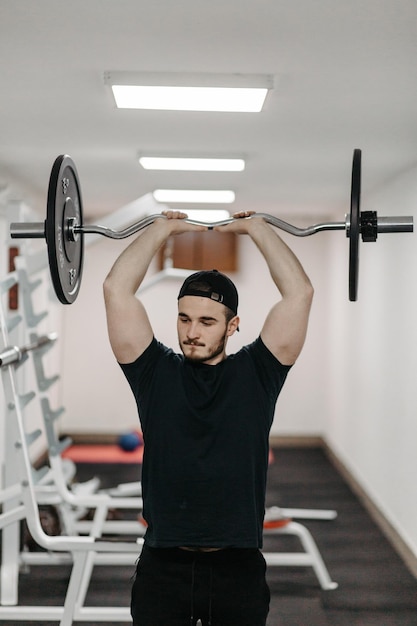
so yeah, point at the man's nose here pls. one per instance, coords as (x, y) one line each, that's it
(192, 331)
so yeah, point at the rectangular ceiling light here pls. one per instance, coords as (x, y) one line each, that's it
(189, 98)
(197, 196)
(208, 215)
(189, 92)
(197, 164)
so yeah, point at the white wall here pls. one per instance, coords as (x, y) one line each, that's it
(372, 425)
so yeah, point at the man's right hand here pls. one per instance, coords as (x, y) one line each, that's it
(177, 223)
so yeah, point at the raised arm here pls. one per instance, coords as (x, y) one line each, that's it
(129, 328)
(285, 327)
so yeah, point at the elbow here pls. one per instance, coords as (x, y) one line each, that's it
(309, 291)
(305, 296)
(109, 287)
(309, 295)
(302, 292)
(306, 291)
(117, 289)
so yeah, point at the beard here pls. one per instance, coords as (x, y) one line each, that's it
(201, 356)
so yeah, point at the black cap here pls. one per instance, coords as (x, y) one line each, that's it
(211, 284)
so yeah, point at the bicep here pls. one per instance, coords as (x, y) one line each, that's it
(129, 329)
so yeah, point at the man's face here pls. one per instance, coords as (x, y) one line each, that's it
(203, 330)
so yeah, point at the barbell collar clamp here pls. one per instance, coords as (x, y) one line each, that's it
(369, 226)
(71, 229)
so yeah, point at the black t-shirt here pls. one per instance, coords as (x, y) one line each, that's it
(206, 431)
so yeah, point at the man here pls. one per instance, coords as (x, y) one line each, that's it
(206, 419)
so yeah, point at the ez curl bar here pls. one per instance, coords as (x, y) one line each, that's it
(64, 230)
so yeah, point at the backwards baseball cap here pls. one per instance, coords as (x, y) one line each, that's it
(211, 284)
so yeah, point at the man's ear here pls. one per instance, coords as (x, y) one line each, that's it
(233, 325)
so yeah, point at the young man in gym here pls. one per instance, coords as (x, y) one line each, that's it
(206, 419)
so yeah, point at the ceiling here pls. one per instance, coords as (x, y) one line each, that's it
(344, 77)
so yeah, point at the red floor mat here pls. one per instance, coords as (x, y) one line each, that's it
(102, 454)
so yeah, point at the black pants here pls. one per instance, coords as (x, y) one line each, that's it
(174, 587)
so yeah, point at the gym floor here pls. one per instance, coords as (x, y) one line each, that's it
(375, 586)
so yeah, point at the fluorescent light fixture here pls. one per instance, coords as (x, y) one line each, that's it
(189, 92)
(195, 164)
(189, 98)
(197, 196)
(208, 215)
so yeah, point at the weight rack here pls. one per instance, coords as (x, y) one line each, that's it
(24, 487)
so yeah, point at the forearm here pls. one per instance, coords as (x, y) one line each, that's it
(129, 329)
(130, 268)
(286, 270)
(285, 327)
(128, 272)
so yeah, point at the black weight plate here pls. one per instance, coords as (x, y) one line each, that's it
(65, 256)
(355, 202)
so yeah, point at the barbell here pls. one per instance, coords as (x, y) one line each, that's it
(64, 230)
(14, 354)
